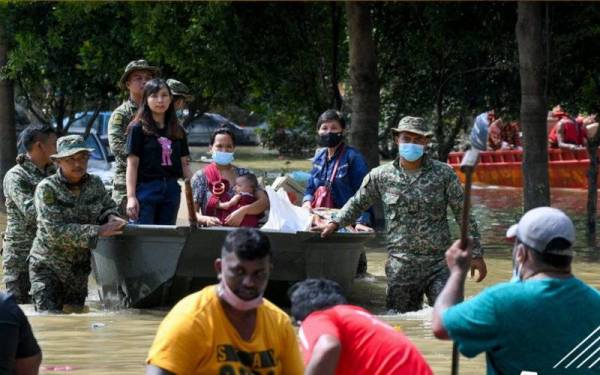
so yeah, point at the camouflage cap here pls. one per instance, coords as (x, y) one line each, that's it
(415, 125)
(180, 89)
(69, 145)
(137, 65)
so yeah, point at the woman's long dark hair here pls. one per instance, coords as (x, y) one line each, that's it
(144, 114)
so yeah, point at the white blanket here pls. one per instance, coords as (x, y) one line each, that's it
(283, 215)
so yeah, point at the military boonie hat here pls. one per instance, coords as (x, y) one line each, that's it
(136, 65)
(412, 125)
(70, 145)
(541, 225)
(179, 88)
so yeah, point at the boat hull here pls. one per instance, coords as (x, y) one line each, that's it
(566, 169)
(151, 265)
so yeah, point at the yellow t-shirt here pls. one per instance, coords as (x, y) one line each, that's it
(196, 337)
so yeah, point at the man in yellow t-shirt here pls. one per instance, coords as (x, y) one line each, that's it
(229, 328)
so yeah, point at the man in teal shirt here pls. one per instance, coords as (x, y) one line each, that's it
(546, 321)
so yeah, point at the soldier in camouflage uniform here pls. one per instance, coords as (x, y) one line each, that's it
(19, 185)
(181, 96)
(415, 191)
(136, 74)
(71, 206)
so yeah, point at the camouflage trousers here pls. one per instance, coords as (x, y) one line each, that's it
(119, 195)
(52, 289)
(409, 277)
(16, 275)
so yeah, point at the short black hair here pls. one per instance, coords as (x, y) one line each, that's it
(222, 130)
(554, 260)
(247, 244)
(35, 133)
(251, 178)
(331, 115)
(314, 294)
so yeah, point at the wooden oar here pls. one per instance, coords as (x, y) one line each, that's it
(189, 200)
(467, 166)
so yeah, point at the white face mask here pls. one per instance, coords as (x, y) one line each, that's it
(236, 302)
(516, 275)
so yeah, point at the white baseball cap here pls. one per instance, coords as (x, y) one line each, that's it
(541, 225)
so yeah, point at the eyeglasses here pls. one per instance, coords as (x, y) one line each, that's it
(77, 159)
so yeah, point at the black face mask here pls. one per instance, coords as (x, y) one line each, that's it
(330, 139)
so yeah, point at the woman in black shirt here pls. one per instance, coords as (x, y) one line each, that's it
(158, 155)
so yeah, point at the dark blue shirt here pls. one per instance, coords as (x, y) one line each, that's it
(16, 338)
(351, 171)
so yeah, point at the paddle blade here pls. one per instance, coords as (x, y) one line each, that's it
(469, 160)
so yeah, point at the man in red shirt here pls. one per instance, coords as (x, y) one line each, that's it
(337, 338)
(567, 133)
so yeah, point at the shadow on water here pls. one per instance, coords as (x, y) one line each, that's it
(117, 342)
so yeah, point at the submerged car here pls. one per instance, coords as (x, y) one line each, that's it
(201, 128)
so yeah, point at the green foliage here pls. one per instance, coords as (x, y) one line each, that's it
(445, 62)
(574, 58)
(287, 137)
(272, 59)
(66, 56)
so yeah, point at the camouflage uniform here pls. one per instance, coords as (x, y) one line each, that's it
(117, 140)
(418, 234)
(68, 218)
(19, 185)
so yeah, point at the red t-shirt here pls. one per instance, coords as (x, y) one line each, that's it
(369, 346)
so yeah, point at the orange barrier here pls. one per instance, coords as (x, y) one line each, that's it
(566, 168)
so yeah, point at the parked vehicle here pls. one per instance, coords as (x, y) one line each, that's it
(100, 125)
(200, 129)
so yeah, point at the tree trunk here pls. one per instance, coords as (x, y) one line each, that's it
(592, 198)
(536, 190)
(8, 141)
(335, 37)
(364, 81)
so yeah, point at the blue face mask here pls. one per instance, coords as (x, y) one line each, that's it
(410, 151)
(222, 158)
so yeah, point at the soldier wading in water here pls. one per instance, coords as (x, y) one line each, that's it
(73, 210)
(19, 185)
(415, 191)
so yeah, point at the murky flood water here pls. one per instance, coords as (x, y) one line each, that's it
(117, 342)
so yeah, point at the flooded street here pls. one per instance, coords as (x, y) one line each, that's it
(117, 342)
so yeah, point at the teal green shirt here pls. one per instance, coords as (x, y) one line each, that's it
(530, 326)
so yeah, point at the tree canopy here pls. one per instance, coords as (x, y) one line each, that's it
(289, 62)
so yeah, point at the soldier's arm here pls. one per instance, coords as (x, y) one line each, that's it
(21, 192)
(455, 194)
(116, 135)
(358, 170)
(364, 198)
(50, 216)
